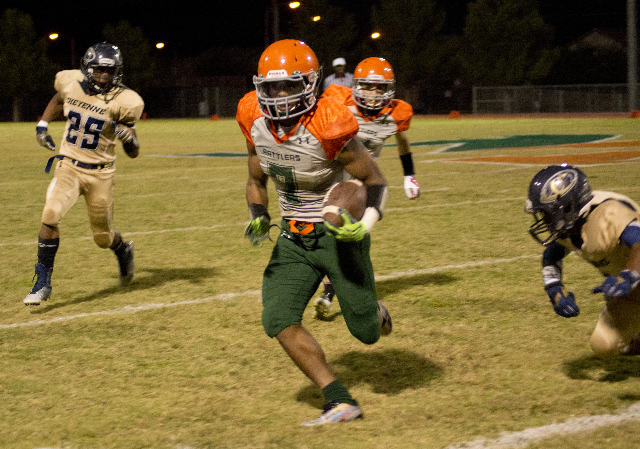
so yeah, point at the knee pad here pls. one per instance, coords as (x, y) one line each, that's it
(51, 217)
(103, 239)
(366, 329)
(603, 348)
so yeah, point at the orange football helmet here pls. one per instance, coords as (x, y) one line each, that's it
(287, 80)
(373, 84)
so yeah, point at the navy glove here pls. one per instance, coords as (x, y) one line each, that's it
(563, 301)
(44, 139)
(619, 285)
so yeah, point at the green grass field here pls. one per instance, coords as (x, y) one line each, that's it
(179, 360)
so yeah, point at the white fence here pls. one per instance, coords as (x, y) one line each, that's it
(551, 99)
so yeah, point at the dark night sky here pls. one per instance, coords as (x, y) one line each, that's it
(189, 27)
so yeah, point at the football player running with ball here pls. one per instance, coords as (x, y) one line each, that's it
(99, 109)
(604, 229)
(304, 143)
(380, 115)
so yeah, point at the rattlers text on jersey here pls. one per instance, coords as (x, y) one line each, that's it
(610, 214)
(89, 136)
(373, 131)
(302, 163)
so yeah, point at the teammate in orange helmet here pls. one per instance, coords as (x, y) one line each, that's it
(380, 115)
(304, 143)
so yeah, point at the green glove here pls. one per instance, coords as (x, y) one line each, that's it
(257, 230)
(350, 231)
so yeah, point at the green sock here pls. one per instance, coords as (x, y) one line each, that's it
(336, 392)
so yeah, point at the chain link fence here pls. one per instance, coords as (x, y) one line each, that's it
(551, 99)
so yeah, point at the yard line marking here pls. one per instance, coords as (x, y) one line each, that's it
(174, 193)
(201, 228)
(421, 190)
(571, 426)
(462, 203)
(133, 309)
(127, 234)
(401, 274)
(230, 296)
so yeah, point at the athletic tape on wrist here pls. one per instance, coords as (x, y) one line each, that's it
(552, 274)
(370, 217)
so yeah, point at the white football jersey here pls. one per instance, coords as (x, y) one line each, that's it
(302, 163)
(89, 135)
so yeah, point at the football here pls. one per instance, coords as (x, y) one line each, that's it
(349, 195)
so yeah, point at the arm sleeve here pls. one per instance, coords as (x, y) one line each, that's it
(553, 254)
(631, 234)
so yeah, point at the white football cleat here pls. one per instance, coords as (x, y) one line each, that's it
(335, 412)
(42, 289)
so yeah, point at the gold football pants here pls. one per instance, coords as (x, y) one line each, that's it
(618, 323)
(97, 187)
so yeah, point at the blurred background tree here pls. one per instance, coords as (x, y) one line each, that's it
(411, 40)
(502, 43)
(26, 70)
(507, 42)
(139, 66)
(333, 34)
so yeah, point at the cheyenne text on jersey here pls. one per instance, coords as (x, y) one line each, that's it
(83, 105)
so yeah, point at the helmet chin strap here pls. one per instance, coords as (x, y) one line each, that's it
(584, 210)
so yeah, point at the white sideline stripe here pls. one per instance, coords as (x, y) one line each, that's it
(203, 228)
(133, 309)
(229, 296)
(571, 426)
(127, 234)
(401, 274)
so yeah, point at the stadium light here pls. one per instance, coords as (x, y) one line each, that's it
(375, 35)
(160, 45)
(294, 5)
(72, 43)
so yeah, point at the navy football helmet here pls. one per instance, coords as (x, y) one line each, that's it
(105, 57)
(557, 198)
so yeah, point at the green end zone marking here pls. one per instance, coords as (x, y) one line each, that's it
(201, 155)
(535, 140)
(451, 146)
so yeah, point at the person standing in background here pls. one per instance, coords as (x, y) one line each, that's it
(340, 76)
